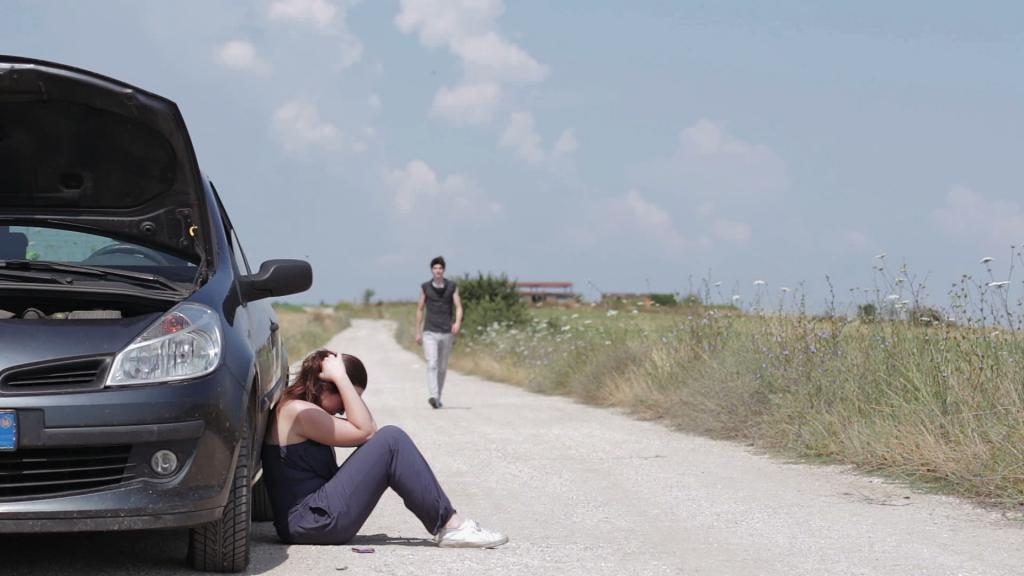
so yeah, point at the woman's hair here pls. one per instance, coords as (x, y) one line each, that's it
(309, 387)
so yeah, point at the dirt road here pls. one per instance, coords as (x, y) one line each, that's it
(588, 491)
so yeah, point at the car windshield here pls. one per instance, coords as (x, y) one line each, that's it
(82, 248)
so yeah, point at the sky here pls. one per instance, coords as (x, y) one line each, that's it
(637, 146)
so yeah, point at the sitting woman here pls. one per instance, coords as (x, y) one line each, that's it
(317, 502)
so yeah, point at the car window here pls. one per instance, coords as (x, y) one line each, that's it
(240, 259)
(75, 247)
(236, 246)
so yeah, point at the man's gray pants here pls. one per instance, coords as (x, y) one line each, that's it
(437, 348)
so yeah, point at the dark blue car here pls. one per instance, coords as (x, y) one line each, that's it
(138, 355)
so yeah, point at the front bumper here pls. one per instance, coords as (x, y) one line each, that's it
(199, 420)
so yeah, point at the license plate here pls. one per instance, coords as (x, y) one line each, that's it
(8, 430)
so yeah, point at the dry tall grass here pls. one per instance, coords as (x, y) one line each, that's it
(306, 330)
(939, 404)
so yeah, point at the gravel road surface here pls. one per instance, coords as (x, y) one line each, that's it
(582, 490)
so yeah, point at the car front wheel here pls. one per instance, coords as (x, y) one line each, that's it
(223, 545)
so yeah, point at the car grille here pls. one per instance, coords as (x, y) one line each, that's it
(56, 376)
(35, 472)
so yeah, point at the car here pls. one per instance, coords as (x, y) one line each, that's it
(139, 353)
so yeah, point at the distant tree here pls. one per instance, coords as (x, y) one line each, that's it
(368, 295)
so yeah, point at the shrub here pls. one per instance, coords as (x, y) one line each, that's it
(867, 312)
(665, 299)
(489, 299)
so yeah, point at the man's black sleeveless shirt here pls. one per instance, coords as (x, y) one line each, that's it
(440, 306)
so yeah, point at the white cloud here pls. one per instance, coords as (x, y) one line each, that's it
(646, 213)
(731, 230)
(298, 125)
(319, 13)
(709, 162)
(566, 143)
(418, 191)
(521, 136)
(468, 103)
(467, 29)
(441, 22)
(241, 55)
(490, 56)
(631, 221)
(967, 215)
(351, 49)
(325, 16)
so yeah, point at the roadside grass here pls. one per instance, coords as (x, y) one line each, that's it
(306, 330)
(895, 388)
(940, 405)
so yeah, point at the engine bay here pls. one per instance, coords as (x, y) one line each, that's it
(76, 307)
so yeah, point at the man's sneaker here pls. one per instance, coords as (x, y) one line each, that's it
(433, 403)
(469, 535)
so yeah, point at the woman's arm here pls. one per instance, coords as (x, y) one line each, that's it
(316, 424)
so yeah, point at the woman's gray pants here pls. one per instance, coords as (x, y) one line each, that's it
(387, 460)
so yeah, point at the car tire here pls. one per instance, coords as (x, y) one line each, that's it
(223, 545)
(262, 511)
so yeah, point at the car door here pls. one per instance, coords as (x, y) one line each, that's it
(262, 329)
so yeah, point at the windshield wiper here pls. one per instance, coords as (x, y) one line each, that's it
(94, 271)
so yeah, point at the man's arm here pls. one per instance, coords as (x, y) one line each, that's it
(457, 326)
(419, 317)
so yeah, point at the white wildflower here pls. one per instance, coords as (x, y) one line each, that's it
(893, 297)
(759, 282)
(880, 256)
(783, 289)
(987, 259)
(612, 312)
(1001, 284)
(735, 297)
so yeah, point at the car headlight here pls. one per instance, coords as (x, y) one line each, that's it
(184, 343)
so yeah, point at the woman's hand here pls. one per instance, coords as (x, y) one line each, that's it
(333, 368)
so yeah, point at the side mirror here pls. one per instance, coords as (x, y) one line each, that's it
(277, 278)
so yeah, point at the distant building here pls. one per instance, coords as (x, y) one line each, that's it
(547, 292)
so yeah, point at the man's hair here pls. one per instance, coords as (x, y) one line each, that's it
(438, 260)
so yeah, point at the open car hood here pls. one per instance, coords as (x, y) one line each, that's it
(82, 151)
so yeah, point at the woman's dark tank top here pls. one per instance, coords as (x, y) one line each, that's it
(292, 473)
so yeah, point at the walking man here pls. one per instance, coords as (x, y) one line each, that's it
(439, 298)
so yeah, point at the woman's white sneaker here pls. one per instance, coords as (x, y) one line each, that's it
(469, 535)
